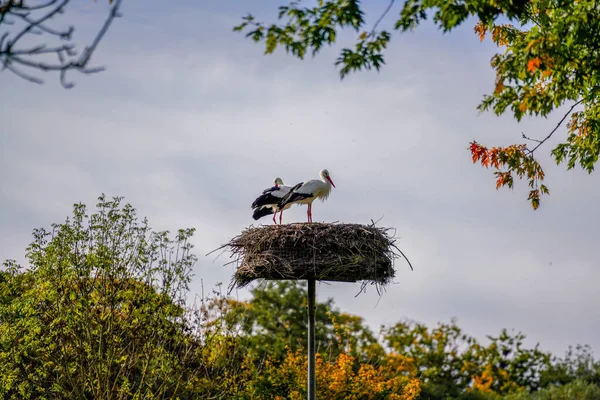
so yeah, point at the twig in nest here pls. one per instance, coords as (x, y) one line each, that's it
(330, 252)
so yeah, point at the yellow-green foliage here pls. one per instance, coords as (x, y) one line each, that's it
(100, 313)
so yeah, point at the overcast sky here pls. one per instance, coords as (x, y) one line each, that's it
(191, 121)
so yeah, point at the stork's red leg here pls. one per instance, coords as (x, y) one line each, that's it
(274, 214)
(280, 216)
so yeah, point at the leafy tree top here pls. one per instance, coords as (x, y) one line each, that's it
(548, 58)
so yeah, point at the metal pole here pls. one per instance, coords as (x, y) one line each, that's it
(312, 378)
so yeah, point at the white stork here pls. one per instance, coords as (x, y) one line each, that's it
(307, 192)
(267, 202)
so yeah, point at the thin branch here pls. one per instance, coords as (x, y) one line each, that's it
(2, 41)
(541, 142)
(45, 66)
(530, 139)
(63, 35)
(9, 56)
(35, 24)
(63, 80)
(406, 258)
(22, 75)
(41, 49)
(381, 17)
(38, 7)
(114, 13)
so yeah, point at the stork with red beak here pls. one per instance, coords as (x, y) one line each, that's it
(307, 192)
(267, 202)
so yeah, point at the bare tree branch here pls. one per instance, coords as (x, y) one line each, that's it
(33, 24)
(18, 13)
(20, 74)
(381, 17)
(541, 142)
(530, 139)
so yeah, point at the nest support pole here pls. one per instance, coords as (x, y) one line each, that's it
(314, 251)
(312, 378)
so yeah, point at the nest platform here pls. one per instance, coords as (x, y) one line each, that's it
(320, 251)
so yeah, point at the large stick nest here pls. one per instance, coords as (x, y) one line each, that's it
(321, 251)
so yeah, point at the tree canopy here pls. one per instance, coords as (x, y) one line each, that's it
(23, 20)
(548, 58)
(99, 312)
(102, 311)
(440, 362)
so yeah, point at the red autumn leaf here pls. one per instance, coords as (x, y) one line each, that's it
(494, 158)
(476, 151)
(485, 159)
(499, 181)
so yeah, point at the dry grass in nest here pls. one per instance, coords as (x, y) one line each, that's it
(321, 251)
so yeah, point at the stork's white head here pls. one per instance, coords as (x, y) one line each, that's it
(325, 176)
(278, 181)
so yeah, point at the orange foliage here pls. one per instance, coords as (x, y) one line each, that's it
(399, 363)
(412, 390)
(523, 106)
(499, 33)
(343, 377)
(481, 30)
(484, 382)
(534, 64)
(503, 178)
(516, 159)
(499, 86)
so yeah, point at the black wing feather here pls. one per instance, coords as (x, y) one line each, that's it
(265, 199)
(261, 212)
(292, 196)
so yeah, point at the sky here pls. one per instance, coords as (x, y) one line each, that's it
(190, 122)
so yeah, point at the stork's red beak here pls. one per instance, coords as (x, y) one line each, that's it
(330, 181)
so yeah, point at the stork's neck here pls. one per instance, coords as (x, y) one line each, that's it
(324, 190)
